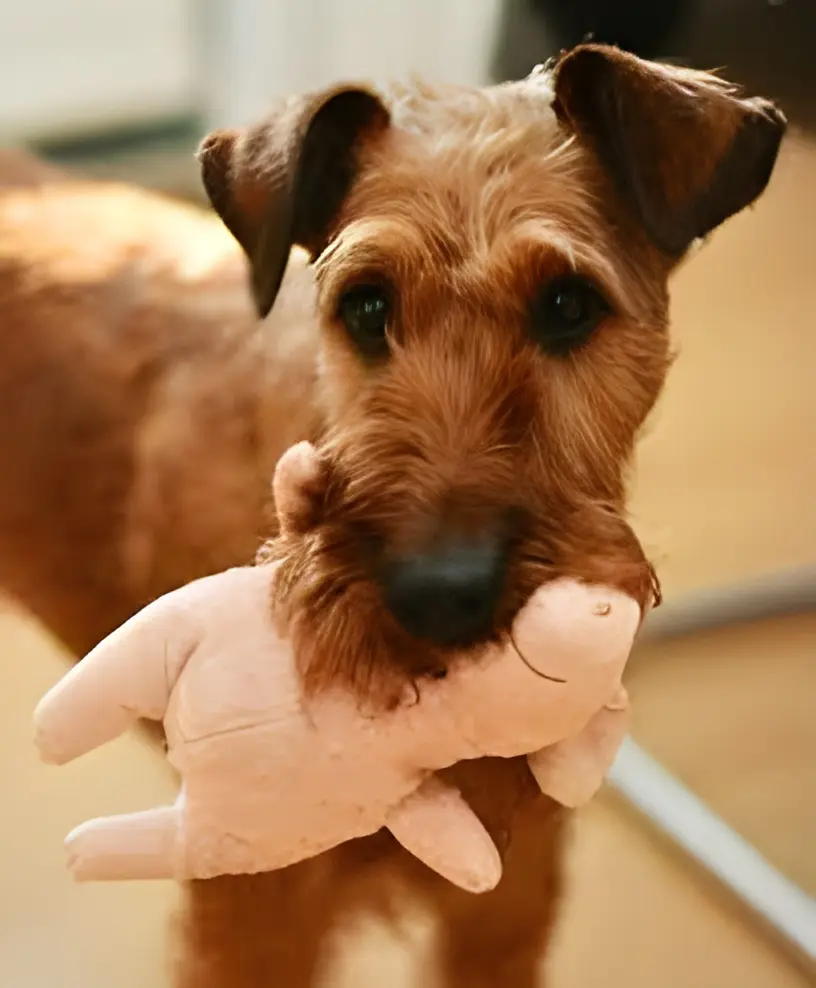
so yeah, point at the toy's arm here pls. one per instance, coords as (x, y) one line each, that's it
(571, 771)
(128, 676)
(131, 674)
(437, 826)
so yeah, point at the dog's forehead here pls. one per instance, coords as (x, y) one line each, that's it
(463, 133)
(433, 111)
(466, 169)
(478, 187)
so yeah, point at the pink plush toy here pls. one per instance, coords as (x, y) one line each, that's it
(270, 777)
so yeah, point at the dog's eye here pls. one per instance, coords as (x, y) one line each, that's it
(566, 313)
(365, 311)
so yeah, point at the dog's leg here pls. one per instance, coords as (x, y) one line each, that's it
(499, 939)
(256, 931)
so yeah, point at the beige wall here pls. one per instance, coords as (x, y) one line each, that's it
(727, 471)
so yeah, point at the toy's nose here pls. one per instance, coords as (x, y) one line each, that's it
(448, 595)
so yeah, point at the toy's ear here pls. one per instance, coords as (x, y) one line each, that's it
(297, 486)
(683, 149)
(572, 771)
(282, 182)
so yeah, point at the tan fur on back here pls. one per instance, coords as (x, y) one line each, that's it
(130, 346)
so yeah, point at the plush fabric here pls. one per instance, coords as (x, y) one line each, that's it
(271, 775)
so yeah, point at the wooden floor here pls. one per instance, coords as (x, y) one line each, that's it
(724, 491)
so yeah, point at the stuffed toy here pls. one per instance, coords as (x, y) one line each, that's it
(271, 775)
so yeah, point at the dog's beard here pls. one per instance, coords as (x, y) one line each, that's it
(591, 541)
(343, 635)
(329, 602)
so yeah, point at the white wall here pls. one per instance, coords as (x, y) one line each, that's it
(260, 49)
(68, 65)
(73, 65)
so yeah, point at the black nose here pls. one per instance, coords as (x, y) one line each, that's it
(447, 595)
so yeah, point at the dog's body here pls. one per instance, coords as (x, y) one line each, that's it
(490, 334)
(142, 406)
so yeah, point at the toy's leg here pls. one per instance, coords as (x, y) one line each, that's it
(437, 826)
(572, 771)
(130, 846)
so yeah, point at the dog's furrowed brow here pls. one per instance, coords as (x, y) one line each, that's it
(525, 256)
(540, 249)
(389, 248)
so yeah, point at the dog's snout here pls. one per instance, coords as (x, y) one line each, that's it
(448, 594)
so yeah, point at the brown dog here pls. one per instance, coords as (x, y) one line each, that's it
(489, 275)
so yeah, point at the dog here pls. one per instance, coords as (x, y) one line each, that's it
(464, 304)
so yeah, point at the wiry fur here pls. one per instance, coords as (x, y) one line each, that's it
(468, 420)
(142, 411)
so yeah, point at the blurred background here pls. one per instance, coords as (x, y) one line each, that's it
(723, 752)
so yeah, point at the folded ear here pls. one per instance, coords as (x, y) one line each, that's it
(682, 148)
(282, 182)
(298, 484)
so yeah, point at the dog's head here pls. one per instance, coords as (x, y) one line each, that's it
(491, 269)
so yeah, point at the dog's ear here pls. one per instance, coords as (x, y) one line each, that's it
(282, 182)
(683, 149)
